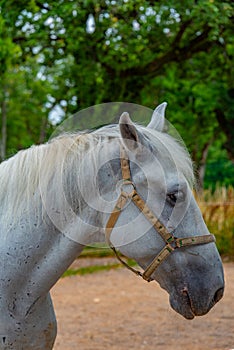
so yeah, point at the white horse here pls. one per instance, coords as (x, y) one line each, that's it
(58, 197)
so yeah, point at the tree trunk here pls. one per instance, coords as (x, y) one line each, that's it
(227, 126)
(202, 166)
(44, 124)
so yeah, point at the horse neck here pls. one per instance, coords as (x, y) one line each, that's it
(75, 203)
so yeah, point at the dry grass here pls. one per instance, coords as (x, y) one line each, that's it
(218, 211)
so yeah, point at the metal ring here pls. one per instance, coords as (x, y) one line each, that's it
(127, 186)
(129, 192)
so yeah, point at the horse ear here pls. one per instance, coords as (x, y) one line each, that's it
(132, 138)
(158, 118)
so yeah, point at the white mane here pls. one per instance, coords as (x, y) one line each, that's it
(21, 175)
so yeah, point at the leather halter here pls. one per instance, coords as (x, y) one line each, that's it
(171, 242)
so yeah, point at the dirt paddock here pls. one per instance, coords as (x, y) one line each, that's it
(115, 310)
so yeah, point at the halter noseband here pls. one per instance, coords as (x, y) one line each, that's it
(171, 242)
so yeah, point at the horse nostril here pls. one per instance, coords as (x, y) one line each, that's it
(218, 294)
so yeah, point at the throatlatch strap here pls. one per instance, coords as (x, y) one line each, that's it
(115, 215)
(110, 225)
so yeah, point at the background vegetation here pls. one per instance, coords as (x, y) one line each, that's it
(58, 57)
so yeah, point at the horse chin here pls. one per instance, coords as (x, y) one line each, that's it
(183, 306)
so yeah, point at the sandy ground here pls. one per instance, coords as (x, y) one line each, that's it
(117, 310)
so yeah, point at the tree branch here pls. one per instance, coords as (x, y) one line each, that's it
(180, 54)
(227, 125)
(181, 32)
(176, 53)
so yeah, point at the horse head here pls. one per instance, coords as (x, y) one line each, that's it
(160, 174)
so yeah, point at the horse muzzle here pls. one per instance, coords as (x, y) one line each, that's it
(190, 304)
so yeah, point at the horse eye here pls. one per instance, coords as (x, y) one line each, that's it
(172, 197)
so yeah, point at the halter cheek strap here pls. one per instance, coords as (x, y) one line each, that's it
(171, 242)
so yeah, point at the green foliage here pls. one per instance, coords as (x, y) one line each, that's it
(90, 269)
(96, 251)
(219, 169)
(96, 268)
(22, 93)
(217, 207)
(74, 54)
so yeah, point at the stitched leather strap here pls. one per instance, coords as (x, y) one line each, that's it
(126, 175)
(115, 215)
(168, 249)
(159, 227)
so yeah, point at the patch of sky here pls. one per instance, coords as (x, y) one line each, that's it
(166, 30)
(36, 49)
(150, 11)
(136, 25)
(73, 101)
(56, 114)
(63, 103)
(28, 28)
(103, 16)
(36, 17)
(90, 24)
(41, 75)
(174, 15)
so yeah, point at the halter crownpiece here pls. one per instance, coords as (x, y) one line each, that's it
(171, 242)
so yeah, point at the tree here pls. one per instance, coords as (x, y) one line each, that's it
(8, 53)
(23, 96)
(90, 52)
